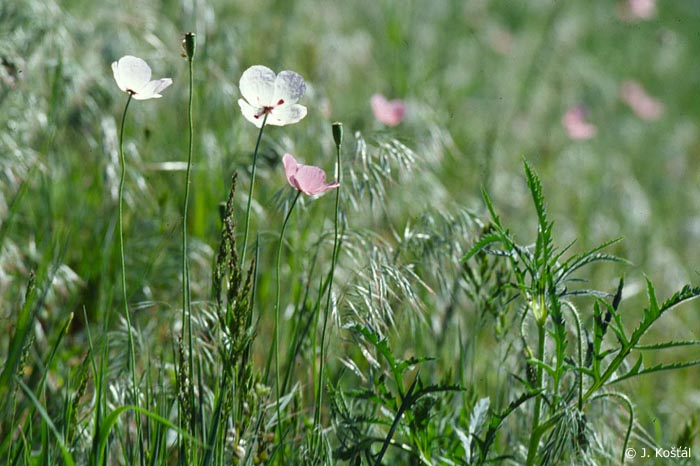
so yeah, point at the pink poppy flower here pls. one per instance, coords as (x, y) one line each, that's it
(133, 76)
(264, 92)
(643, 105)
(388, 112)
(574, 121)
(638, 10)
(308, 179)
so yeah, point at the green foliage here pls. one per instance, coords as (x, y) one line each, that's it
(374, 415)
(565, 381)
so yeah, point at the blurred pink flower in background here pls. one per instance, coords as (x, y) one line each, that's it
(574, 121)
(644, 106)
(638, 10)
(308, 179)
(388, 112)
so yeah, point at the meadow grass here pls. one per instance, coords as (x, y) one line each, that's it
(482, 288)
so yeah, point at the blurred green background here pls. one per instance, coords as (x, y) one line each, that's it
(486, 83)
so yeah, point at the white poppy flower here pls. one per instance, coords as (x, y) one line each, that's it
(133, 76)
(276, 96)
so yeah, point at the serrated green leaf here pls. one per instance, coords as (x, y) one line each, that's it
(658, 368)
(653, 308)
(685, 294)
(668, 344)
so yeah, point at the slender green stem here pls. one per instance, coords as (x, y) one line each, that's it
(132, 357)
(275, 344)
(334, 259)
(186, 298)
(314, 342)
(250, 191)
(579, 336)
(536, 433)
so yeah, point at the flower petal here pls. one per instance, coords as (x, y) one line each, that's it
(286, 115)
(290, 169)
(390, 113)
(289, 87)
(257, 85)
(641, 103)
(574, 121)
(251, 113)
(117, 78)
(310, 179)
(133, 73)
(152, 89)
(160, 84)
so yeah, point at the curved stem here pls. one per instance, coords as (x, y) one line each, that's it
(250, 191)
(275, 344)
(630, 408)
(125, 299)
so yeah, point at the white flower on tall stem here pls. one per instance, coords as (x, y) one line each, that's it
(271, 98)
(268, 99)
(133, 76)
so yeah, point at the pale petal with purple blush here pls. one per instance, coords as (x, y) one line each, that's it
(289, 88)
(387, 112)
(257, 86)
(286, 115)
(290, 167)
(308, 179)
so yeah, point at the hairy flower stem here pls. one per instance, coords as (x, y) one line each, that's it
(338, 137)
(250, 191)
(132, 357)
(275, 344)
(536, 432)
(186, 298)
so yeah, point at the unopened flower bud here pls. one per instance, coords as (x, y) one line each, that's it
(338, 133)
(189, 44)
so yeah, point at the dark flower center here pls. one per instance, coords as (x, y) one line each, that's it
(268, 109)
